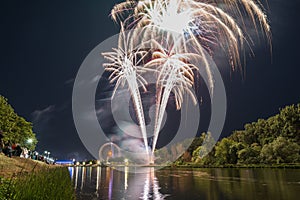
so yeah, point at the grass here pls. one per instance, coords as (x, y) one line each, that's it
(11, 166)
(34, 181)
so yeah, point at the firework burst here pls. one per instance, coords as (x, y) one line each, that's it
(124, 69)
(174, 74)
(205, 24)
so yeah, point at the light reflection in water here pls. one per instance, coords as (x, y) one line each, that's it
(108, 183)
(111, 181)
(82, 177)
(133, 186)
(89, 173)
(146, 188)
(98, 179)
(142, 185)
(71, 171)
(151, 187)
(76, 177)
(126, 170)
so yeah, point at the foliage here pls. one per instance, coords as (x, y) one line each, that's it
(15, 129)
(227, 151)
(249, 155)
(49, 184)
(162, 155)
(285, 124)
(167, 154)
(269, 141)
(5, 189)
(281, 150)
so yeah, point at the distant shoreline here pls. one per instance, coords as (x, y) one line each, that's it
(294, 166)
(195, 166)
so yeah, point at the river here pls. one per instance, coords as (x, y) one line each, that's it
(212, 183)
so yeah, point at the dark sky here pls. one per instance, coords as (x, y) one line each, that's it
(43, 44)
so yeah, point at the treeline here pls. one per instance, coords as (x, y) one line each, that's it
(275, 140)
(14, 129)
(272, 141)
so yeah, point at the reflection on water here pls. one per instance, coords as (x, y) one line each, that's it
(109, 183)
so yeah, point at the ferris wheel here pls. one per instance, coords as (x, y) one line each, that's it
(109, 150)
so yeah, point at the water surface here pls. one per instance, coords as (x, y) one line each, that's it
(246, 184)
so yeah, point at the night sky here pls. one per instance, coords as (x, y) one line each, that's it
(43, 44)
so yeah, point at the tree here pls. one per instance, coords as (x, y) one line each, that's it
(249, 155)
(190, 145)
(280, 150)
(290, 118)
(226, 151)
(272, 140)
(15, 128)
(205, 148)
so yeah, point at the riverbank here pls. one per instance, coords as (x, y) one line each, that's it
(195, 165)
(22, 178)
(16, 165)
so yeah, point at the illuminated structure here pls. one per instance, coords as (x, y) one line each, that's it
(108, 151)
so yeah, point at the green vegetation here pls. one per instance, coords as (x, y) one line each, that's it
(10, 166)
(22, 178)
(15, 129)
(271, 142)
(51, 183)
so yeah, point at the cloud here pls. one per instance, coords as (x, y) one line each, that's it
(44, 114)
(70, 81)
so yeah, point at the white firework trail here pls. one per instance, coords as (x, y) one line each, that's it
(175, 74)
(204, 23)
(123, 65)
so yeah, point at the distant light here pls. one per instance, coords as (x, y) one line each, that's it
(83, 163)
(30, 141)
(46, 152)
(73, 159)
(77, 163)
(64, 162)
(98, 162)
(126, 161)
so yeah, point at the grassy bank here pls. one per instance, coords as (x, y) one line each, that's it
(33, 180)
(14, 166)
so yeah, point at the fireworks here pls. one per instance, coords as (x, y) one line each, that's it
(174, 75)
(124, 70)
(169, 25)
